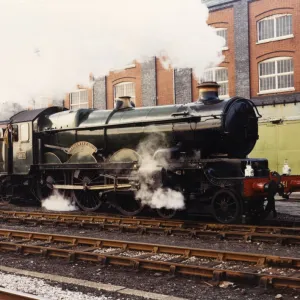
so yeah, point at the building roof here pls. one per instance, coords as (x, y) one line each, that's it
(31, 115)
(211, 3)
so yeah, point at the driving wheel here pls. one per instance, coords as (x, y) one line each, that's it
(86, 199)
(226, 206)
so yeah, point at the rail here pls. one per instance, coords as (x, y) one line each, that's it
(176, 260)
(283, 235)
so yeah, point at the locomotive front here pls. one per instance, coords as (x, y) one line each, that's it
(225, 128)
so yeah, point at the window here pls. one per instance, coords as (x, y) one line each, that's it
(276, 74)
(79, 99)
(222, 32)
(275, 27)
(125, 89)
(24, 132)
(220, 75)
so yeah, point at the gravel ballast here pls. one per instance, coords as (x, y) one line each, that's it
(157, 282)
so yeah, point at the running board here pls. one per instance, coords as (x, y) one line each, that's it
(91, 188)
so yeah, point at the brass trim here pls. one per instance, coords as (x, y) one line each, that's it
(91, 188)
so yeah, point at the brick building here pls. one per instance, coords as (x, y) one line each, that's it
(262, 61)
(148, 84)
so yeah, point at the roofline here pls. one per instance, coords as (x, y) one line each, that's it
(51, 109)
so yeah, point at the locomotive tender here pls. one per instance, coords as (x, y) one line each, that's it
(93, 157)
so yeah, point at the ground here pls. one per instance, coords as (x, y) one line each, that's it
(157, 282)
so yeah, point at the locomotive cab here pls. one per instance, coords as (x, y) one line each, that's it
(22, 141)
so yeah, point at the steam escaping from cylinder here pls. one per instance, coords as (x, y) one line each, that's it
(48, 47)
(56, 202)
(151, 192)
(160, 198)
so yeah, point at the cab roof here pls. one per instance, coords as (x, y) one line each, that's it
(31, 115)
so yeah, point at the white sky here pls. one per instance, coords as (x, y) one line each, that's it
(49, 46)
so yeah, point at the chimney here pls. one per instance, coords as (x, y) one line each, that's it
(123, 102)
(208, 92)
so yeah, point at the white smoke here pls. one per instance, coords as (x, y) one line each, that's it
(8, 109)
(56, 202)
(167, 198)
(48, 47)
(150, 194)
(160, 198)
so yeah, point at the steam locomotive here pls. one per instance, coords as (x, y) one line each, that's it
(94, 157)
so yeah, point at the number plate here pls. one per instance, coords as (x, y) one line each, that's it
(21, 155)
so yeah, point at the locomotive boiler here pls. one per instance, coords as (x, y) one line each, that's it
(212, 126)
(94, 156)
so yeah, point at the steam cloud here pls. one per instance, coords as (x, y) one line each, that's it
(56, 202)
(150, 194)
(50, 46)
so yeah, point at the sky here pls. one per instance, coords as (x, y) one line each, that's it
(50, 46)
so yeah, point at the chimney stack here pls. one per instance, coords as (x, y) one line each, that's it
(123, 102)
(208, 92)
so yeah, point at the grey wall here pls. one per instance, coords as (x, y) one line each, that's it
(241, 41)
(241, 44)
(99, 93)
(183, 85)
(149, 91)
(277, 99)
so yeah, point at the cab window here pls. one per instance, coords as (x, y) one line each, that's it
(24, 132)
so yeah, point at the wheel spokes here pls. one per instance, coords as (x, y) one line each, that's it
(166, 213)
(225, 206)
(86, 199)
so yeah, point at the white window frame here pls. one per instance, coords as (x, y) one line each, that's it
(275, 38)
(219, 82)
(125, 83)
(226, 44)
(276, 74)
(81, 101)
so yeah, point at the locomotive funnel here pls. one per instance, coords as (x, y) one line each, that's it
(208, 92)
(123, 102)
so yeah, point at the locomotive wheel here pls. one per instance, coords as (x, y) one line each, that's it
(86, 199)
(226, 207)
(44, 187)
(6, 192)
(166, 213)
(127, 205)
(4, 200)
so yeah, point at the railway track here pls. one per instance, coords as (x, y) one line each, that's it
(282, 235)
(251, 269)
(6, 294)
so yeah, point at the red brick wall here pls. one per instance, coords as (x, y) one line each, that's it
(225, 19)
(115, 77)
(165, 87)
(165, 84)
(90, 97)
(289, 47)
(67, 101)
(195, 91)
